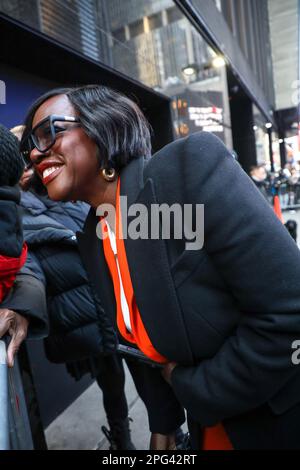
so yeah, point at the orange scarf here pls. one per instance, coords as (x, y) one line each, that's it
(215, 438)
(138, 334)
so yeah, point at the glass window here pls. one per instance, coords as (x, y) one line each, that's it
(119, 34)
(136, 28)
(262, 141)
(158, 57)
(261, 138)
(155, 21)
(173, 14)
(218, 5)
(154, 43)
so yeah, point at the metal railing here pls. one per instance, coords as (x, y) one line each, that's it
(4, 425)
(289, 195)
(15, 432)
(288, 192)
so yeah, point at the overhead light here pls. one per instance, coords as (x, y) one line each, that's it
(281, 141)
(269, 125)
(255, 128)
(218, 62)
(190, 69)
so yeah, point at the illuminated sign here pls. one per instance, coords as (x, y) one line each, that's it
(209, 118)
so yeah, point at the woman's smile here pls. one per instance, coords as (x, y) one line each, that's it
(49, 169)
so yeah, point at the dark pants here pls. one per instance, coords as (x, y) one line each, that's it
(165, 414)
(196, 433)
(111, 380)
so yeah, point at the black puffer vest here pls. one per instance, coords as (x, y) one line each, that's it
(78, 329)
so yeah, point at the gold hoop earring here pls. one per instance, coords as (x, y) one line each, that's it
(109, 174)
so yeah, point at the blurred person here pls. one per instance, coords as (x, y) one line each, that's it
(294, 178)
(13, 251)
(27, 174)
(293, 186)
(286, 172)
(290, 154)
(291, 226)
(258, 175)
(221, 318)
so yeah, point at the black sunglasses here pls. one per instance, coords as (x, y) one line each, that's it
(43, 135)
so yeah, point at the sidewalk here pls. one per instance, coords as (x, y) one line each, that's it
(79, 426)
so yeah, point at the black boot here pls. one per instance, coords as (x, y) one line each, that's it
(119, 434)
(182, 440)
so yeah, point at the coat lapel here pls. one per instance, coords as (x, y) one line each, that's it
(149, 269)
(91, 251)
(151, 277)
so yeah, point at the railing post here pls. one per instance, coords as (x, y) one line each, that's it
(4, 425)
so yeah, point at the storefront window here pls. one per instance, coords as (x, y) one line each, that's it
(261, 138)
(262, 142)
(152, 42)
(292, 145)
(163, 51)
(276, 151)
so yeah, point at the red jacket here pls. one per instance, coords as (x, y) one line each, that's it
(9, 268)
(13, 251)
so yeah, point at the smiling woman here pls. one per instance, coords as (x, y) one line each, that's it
(221, 322)
(61, 122)
(57, 144)
(78, 157)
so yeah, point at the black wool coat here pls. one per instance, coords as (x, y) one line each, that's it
(228, 313)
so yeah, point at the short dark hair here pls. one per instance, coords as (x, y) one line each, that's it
(113, 121)
(257, 167)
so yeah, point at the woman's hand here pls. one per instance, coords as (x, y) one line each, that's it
(17, 327)
(167, 371)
